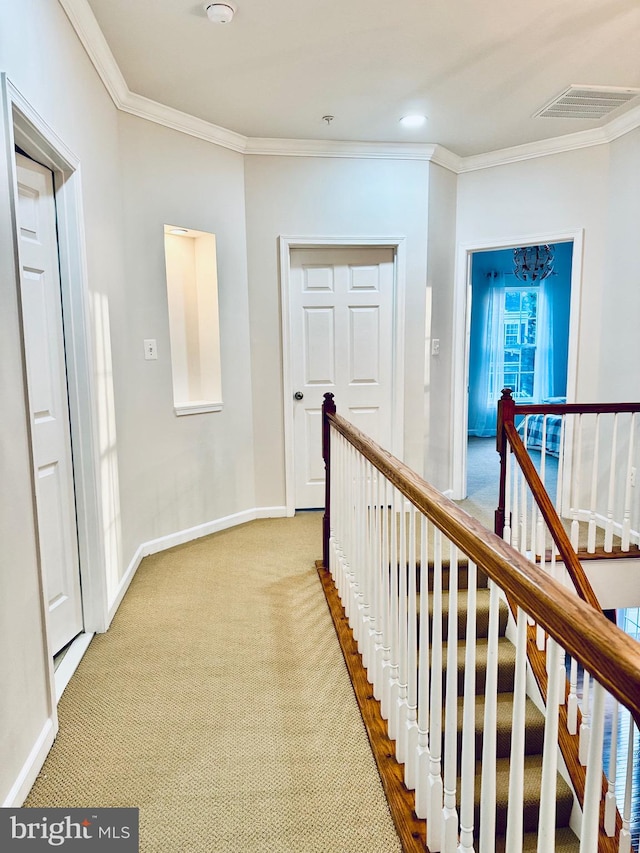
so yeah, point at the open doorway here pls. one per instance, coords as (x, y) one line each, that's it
(519, 339)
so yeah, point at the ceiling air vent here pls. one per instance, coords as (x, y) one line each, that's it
(587, 102)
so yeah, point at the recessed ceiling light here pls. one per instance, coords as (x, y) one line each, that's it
(181, 231)
(413, 120)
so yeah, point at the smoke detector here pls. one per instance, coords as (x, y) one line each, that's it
(220, 13)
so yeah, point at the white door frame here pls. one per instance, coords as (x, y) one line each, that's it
(288, 243)
(462, 329)
(24, 127)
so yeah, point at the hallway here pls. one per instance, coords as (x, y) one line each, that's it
(219, 704)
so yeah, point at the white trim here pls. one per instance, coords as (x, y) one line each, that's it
(145, 108)
(163, 543)
(461, 328)
(287, 243)
(70, 661)
(36, 138)
(199, 408)
(88, 31)
(32, 766)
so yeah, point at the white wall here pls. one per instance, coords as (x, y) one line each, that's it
(618, 374)
(439, 322)
(156, 474)
(549, 195)
(44, 60)
(178, 472)
(298, 196)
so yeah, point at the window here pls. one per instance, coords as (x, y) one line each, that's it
(513, 365)
(192, 294)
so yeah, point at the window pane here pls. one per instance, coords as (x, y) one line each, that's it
(512, 301)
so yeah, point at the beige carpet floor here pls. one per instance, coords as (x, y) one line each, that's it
(219, 704)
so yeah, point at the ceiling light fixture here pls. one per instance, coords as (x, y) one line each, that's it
(220, 13)
(533, 263)
(413, 120)
(179, 231)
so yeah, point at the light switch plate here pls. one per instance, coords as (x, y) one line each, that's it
(150, 349)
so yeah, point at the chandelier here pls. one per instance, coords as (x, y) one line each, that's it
(533, 263)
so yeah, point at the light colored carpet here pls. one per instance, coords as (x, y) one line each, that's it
(219, 704)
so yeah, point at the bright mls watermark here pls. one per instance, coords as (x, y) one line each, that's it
(80, 830)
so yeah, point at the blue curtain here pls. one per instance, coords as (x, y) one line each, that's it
(485, 351)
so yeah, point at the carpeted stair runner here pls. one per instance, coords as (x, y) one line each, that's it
(566, 841)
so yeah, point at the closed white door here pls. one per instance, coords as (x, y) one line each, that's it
(48, 401)
(341, 305)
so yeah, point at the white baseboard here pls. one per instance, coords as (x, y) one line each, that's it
(154, 546)
(70, 661)
(32, 766)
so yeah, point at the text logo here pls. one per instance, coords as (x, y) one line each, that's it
(86, 830)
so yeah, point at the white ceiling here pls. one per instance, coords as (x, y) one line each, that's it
(479, 70)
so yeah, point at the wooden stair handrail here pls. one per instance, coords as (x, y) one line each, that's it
(606, 652)
(558, 533)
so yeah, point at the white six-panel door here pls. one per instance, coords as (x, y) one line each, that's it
(341, 314)
(48, 402)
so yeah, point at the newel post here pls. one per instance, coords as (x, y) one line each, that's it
(506, 412)
(328, 408)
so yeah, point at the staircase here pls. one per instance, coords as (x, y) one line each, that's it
(566, 841)
(380, 516)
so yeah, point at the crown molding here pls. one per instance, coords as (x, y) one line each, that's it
(142, 107)
(360, 150)
(88, 30)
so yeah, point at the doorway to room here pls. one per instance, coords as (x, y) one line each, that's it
(520, 308)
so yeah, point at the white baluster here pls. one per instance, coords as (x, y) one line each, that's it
(363, 600)
(585, 726)
(449, 812)
(572, 702)
(367, 586)
(577, 478)
(561, 465)
(515, 811)
(422, 777)
(488, 783)
(375, 669)
(515, 519)
(593, 783)
(524, 533)
(410, 765)
(401, 741)
(591, 537)
(434, 824)
(393, 611)
(506, 531)
(548, 785)
(610, 806)
(630, 478)
(608, 534)
(385, 680)
(468, 760)
(625, 832)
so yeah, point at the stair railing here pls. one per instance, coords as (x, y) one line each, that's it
(586, 456)
(406, 561)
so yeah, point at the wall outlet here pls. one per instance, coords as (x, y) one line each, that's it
(150, 349)
(435, 346)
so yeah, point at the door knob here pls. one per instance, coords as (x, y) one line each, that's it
(298, 395)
